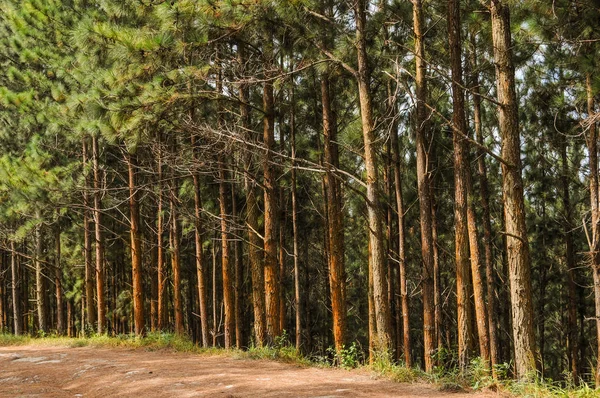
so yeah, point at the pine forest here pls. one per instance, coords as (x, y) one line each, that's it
(407, 181)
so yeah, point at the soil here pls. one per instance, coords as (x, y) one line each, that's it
(53, 371)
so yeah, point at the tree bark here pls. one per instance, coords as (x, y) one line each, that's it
(176, 260)
(519, 260)
(592, 142)
(160, 245)
(16, 290)
(423, 183)
(228, 303)
(40, 281)
(136, 248)
(335, 228)
(377, 263)
(271, 270)
(465, 227)
(60, 311)
(90, 309)
(492, 307)
(100, 301)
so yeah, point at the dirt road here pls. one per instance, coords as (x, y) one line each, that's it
(42, 371)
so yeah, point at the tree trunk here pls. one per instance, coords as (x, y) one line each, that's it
(60, 311)
(40, 281)
(297, 294)
(136, 248)
(519, 261)
(225, 264)
(377, 263)
(335, 228)
(160, 250)
(200, 265)
(16, 290)
(592, 141)
(90, 309)
(466, 227)
(176, 260)
(255, 244)
(423, 182)
(238, 275)
(99, 238)
(271, 269)
(492, 307)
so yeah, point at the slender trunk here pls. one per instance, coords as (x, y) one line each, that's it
(335, 229)
(2, 292)
(271, 269)
(237, 260)
(519, 260)
(160, 250)
(466, 227)
(297, 294)
(176, 260)
(60, 312)
(592, 141)
(401, 249)
(215, 328)
(90, 310)
(40, 281)
(225, 264)
(136, 248)
(492, 307)
(255, 244)
(16, 290)
(377, 263)
(423, 183)
(100, 300)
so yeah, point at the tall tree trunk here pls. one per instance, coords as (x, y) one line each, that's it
(465, 228)
(401, 247)
(492, 307)
(200, 264)
(271, 269)
(254, 240)
(160, 245)
(136, 248)
(225, 264)
(60, 311)
(100, 301)
(238, 275)
(335, 228)
(378, 261)
(572, 335)
(90, 310)
(16, 290)
(423, 183)
(40, 278)
(592, 141)
(176, 259)
(297, 293)
(519, 260)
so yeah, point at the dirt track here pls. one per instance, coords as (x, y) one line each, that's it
(41, 371)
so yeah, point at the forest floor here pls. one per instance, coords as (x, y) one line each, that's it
(35, 370)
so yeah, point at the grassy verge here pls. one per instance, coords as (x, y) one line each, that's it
(476, 377)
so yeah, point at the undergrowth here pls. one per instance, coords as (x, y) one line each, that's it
(447, 378)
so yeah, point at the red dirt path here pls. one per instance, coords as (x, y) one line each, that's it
(52, 371)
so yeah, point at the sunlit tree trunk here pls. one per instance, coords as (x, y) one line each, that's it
(271, 270)
(90, 310)
(16, 290)
(136, 248)
(100, 301)
(519, 261)
(492, 307)
(60, 311)
(40, 281)
(423, 182)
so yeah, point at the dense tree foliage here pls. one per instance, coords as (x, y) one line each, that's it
(417, 178)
